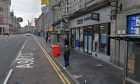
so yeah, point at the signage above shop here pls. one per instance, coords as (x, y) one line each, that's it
(80, 21)
(133, 24)
(95, 16)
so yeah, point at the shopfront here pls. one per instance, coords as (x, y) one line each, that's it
(133, 49)
(73, 37)
(91, 31)
(133, 60)
(101, 41)
(88, 39)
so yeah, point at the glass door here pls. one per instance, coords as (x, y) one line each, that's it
(89, 43)
(85, 43)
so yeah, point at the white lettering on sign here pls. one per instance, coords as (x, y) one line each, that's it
(25, 61)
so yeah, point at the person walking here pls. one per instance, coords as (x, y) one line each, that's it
(66, 42)
(66, 56)
(49, 39)
(46, 38)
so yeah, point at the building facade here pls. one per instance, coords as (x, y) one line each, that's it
(105, 29)
(8, 22)
(127, 40)
(87, 24)
(4, 16)
(14, 26)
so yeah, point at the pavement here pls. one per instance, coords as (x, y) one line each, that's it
(85, 69)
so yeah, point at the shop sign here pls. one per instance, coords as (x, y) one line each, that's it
(95, 16)
(80, 21)
(133, 24)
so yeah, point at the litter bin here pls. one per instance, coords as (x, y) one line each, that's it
(55, 50)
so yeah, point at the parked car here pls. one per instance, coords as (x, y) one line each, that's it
(28, 34)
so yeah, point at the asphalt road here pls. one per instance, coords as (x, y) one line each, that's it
(9, 47)
(24, 61)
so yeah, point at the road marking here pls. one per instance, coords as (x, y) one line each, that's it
(63, 78)
(21, 49)
(8, 76)
(25, 61)
(11, 70)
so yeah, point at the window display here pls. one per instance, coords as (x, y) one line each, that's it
(133, 61)
(81, 37)
(96, 38)
(103, 38)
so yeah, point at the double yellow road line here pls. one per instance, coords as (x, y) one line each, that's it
(63, 78)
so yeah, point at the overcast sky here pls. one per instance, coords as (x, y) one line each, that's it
(27, 9)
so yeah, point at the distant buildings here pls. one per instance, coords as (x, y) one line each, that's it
(8, 22)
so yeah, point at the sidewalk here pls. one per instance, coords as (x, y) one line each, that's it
(85, 69)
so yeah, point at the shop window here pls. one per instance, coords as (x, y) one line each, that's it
(73, 37)
(96, 41)
(81, 37)
(100, 38)
(104, 38)
(133, 61)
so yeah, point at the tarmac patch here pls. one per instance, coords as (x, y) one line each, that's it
(99, 65)
(77, 76)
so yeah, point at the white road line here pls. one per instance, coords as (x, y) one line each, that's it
(21, 50)
(11, 70)
(8, 76)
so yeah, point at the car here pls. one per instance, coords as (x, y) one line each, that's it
(27, 34)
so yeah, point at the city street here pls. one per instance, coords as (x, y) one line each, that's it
(69, 41)
(25, 61)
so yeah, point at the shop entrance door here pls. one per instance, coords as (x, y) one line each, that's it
(0, 30)
(88, 42)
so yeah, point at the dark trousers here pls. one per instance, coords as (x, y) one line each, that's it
(66, 59)
(46, 39)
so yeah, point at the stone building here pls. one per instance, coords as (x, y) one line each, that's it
(4, 16)
(8, 22)
(105, 29)
(127, 43)
(87, 24)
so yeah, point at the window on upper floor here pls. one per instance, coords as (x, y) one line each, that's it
(1, 9)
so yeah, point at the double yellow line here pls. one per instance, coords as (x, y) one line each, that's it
(63, 78)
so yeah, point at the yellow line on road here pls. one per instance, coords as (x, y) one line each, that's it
(63, 78)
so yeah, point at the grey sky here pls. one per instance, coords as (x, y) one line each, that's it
(27, 9)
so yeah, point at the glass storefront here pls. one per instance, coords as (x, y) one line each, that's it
(88, 39)
(92, 38)
(96, 34)
(73, 37)
(104, 38)
(81, 37)
(133, 61)
(101, 40)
